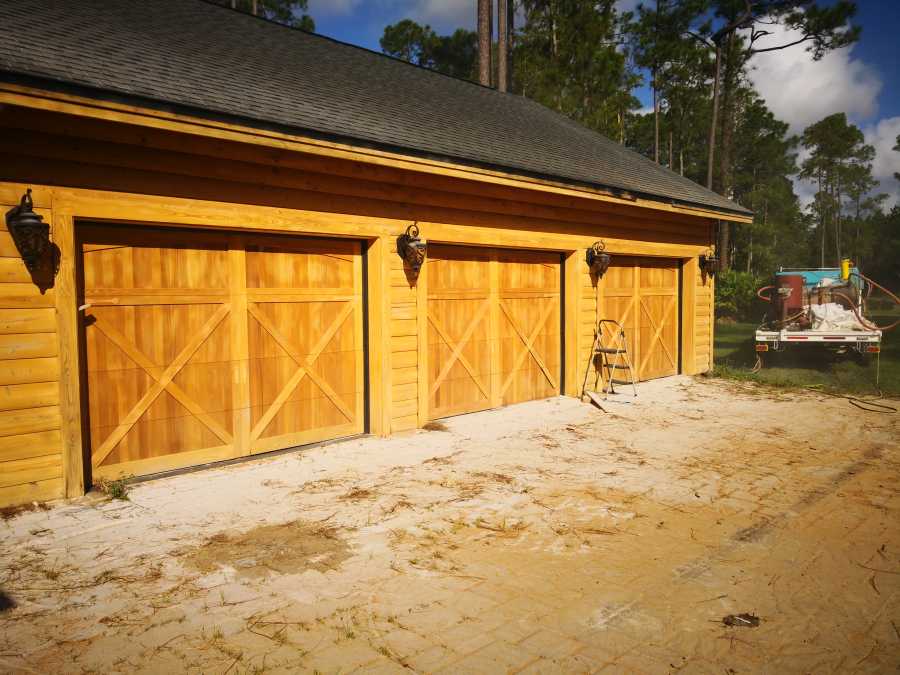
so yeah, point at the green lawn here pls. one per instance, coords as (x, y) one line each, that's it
(809, 365)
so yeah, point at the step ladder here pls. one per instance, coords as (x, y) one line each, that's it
(614, 358)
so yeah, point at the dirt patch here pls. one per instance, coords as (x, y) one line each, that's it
(357, 494)
(290, 548)
(10, 512)
(436, 426)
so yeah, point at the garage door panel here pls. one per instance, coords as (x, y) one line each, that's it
(494, 327)
(642, 295)
(659, 356)
(459, 351)
(529, 341)
(202, 346)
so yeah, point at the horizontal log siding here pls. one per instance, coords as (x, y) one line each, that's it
(704, 318)
(274, 191)
(30, 441)
(404, 347)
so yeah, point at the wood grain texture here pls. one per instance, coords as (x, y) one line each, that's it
(642, 295)
(27, 97)
(493, 328)
(70, 366)
(239, 344)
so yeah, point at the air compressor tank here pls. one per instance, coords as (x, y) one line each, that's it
(789, 295)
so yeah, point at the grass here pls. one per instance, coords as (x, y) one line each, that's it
(809, 365)
(114, 489)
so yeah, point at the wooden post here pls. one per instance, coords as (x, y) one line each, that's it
(67, 317)
(572, 270)
(690, 269)
(422, 342)
(379, 313)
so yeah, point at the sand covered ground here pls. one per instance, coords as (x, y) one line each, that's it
(544, 537)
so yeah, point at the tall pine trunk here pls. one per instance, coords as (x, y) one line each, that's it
(726, 151)
(714, 122)
(655, 120)
(502, 45)
(484, 42)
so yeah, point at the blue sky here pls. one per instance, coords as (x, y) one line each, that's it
(862, 80)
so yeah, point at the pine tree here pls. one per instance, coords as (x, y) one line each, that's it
(289, 12)
(454, 54)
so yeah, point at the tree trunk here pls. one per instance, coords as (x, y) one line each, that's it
(714, 122)
(254, 7)
(727, 145)
(510, 39)
(655, 118)
(502, 45)
(671, 152)
(484, 42)
(821, 223)
(726, 150)
(750, 252)
(724, 245)
(838, 224)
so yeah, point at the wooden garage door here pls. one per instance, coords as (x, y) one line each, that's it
(207, 346)
(493, 327)
(642, 294)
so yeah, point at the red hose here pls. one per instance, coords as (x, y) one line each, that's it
(878, 286)
(764, 297)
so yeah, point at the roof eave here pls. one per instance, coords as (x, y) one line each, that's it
(38, 83)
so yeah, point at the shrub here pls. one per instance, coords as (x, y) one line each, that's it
(736, 296)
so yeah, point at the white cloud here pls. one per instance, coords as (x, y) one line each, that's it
(444, 13)
(802, 91)
(883, 136)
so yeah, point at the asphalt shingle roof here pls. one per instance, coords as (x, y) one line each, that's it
(201, 56)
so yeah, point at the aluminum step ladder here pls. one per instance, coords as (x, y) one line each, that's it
(613, 358)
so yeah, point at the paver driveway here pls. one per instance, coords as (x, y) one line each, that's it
(546, 537)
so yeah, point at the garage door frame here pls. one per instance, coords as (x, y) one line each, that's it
(681, 300)
(245, 240)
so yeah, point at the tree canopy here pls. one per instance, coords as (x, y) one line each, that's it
(586, 59)
(455, 54)
(293, 13)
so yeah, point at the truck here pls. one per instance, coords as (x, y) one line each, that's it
(823, 306)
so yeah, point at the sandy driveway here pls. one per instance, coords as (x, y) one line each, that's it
(546, 537)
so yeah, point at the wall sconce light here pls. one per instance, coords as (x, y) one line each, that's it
(411, 248)
(709, 263)
(598, 259)
(32, 236)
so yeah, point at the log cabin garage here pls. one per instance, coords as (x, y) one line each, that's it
(261, 238)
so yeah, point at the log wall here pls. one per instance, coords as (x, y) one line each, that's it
(90, 170)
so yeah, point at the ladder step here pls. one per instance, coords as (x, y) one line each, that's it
(618, 381)
(604, 350)
(621, 366)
